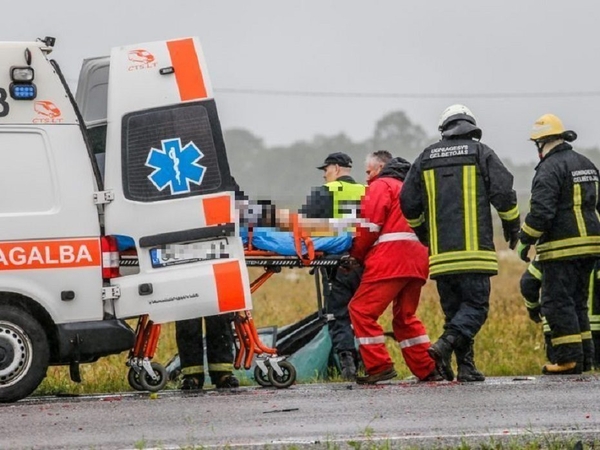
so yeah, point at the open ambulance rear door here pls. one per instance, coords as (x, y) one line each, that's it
(168, 186)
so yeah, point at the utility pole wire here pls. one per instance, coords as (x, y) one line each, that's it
(484, 95)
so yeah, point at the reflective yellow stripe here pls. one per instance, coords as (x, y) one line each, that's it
(531, 231)
(192, 370)
(221, 367)
(537, 274)
(571, 339)
(595, 326)
(511, 214)
(470, 207)
(463, 267)
(531, 305)
(573, 251)
(429, 177)
(586, 335)
(569, 242)
(596, 209)
(414, 223)
(577, 210)
(486, 255)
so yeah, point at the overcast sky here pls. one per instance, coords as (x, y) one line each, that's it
(369, 57)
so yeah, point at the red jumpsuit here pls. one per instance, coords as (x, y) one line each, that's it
(396, 266)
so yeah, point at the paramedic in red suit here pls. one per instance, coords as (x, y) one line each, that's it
(396, 266)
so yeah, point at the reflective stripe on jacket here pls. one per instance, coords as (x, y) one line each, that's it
(448, 191)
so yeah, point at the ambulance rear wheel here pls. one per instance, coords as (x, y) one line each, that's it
(24, 354)
(261, 378)
(133, 377)
(286, 379)
(149, 384)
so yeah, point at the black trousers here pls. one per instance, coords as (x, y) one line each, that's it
(219, 344)
(465, 300)
(337, 293)
(564, 301)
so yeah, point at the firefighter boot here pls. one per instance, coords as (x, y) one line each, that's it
(224, 380)
(441, 353)
(466, 365)
(192, 382)
(567, 368)
(348, 363)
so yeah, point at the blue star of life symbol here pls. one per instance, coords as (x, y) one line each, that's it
(175, 167)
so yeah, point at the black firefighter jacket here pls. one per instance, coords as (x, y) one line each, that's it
(446, 200)
(563, 217)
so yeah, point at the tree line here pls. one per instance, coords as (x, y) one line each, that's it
(285, 174)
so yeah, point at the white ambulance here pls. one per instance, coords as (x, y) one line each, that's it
(164, 187)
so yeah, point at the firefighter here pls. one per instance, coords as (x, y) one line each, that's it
(395, 269)
(563, 224)
(531, 282)
(446, 199)
(219, 352)
(338, 198)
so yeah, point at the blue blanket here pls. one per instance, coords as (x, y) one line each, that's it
(282, 242)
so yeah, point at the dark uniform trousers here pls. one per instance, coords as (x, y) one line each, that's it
(465, 300)
(219, 345)
(564, 302)
(338, 292)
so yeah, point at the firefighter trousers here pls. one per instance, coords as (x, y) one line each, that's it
(564, 301)
(338, 292)
(369, 303)
(219, 345)
(465, 300)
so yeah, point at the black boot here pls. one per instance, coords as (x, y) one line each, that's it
(441, 352)
(224, 380)
(192, 382)
(348, 363)
(466, 365)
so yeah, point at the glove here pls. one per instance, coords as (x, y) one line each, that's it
(348, 263)
(535, 314)
(522, 250)
(511, 234)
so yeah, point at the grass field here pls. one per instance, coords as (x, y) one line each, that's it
(508, 344)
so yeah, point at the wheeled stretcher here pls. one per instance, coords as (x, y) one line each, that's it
(270, 249)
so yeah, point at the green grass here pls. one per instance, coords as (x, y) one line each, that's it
(509, 344)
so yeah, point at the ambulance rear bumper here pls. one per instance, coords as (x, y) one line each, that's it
(88, 341)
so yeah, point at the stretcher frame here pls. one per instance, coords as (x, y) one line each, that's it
(271, 369)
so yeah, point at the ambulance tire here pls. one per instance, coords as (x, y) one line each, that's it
(149, 384)
(287, 379)
(261, 378)
(24, 354)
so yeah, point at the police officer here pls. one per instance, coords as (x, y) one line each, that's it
(563, 223)
(446, 199)
(219, 352)
(338, 198)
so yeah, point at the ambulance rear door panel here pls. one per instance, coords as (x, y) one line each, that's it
(50, 243)
(167, 167)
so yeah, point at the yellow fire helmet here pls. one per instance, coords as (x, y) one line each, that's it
(550, 126)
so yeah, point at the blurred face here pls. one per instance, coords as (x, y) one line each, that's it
(373, 169)
(331, 173)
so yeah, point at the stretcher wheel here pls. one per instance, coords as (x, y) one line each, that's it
(261, 378)
(134, 380)
(148, 384)
(285, 380)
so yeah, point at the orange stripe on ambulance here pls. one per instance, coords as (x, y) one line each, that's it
(49, 254)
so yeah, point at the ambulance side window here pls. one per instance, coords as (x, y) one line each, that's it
(97, 140)
(26, 172)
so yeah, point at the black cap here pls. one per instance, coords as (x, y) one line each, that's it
(339, 158)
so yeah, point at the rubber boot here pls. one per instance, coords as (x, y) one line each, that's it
(467, 371)
(567, 368)
(224, 380)
(192, 382)
(348, 363)
(441, 353)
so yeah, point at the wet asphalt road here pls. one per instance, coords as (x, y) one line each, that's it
(402, 413)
